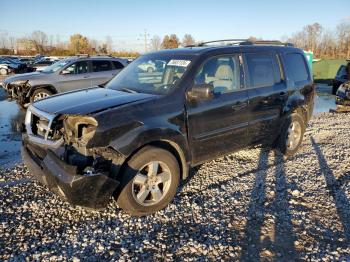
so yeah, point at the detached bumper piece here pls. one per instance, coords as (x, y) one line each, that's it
(91, 191)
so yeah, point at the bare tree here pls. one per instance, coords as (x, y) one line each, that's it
(109, 44)
(12, 43)
(188, 40)
(3, 39)
(156, 43)
(343, 32)
(39, 40)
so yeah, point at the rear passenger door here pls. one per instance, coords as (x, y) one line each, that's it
(102, 71)
(267, 93)
(219, 124)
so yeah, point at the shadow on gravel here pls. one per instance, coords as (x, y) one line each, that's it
(283, 243)
(334, 187)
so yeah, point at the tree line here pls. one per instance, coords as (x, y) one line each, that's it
(322, 42)
(314, 37)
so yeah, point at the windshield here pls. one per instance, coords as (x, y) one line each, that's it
(56, 66)
(155, 74)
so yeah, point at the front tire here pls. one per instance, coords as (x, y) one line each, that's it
(39, 94)
(149, 181)
(291, 135)
(3, 71)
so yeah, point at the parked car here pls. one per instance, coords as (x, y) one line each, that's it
(11, 65)
(65, 75)
(343, 95)
(340, 78)
(137, 138)
(43, 63)
(148, 67)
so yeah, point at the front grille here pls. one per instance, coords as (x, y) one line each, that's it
(39, 127)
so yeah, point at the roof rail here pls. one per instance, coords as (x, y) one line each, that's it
(79, 55)
(243, 42)
(265, 42)
(218, 41)
(109, 55)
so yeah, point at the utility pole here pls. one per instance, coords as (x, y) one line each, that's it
(145, 35)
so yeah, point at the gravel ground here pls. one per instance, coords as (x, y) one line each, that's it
(250, 205)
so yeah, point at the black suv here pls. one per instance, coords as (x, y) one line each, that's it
(136, 138)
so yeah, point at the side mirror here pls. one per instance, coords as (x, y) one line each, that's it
(202, 91)
(65, 72)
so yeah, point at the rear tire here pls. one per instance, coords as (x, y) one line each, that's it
(141, 190)
(39, 94)
(291, 135)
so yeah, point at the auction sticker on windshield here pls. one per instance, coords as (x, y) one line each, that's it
(177, 62)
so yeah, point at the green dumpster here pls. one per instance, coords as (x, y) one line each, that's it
(310, 57)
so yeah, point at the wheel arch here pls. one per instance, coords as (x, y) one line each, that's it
(49, 87)
(171, 147)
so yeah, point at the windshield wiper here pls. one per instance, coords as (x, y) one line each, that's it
(128, 90)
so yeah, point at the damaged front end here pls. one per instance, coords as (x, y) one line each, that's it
(18, 90)
(56, 151)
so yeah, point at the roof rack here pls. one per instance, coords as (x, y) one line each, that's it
(109, 55)
(243, 42)
(85, 55)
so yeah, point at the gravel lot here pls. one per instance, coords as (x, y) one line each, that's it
(249, 205)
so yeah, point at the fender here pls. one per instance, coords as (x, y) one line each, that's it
(170, 139)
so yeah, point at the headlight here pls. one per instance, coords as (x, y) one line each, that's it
(20, 82)
(79, 129)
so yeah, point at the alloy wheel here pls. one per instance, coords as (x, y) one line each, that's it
(151, 183)
(40, 96)
(294, 135)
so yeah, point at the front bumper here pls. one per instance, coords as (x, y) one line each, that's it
(91, 191)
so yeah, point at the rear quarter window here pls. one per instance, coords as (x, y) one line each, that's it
(297, 69)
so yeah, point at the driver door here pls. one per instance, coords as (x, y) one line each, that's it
(218, 125)
(75, 76)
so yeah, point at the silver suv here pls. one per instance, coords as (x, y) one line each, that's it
(65, 75)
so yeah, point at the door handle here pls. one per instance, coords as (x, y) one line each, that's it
(86, 76)
(239, 106)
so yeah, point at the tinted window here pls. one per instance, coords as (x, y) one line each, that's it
(260, 69)
(78, 68)
(100, 65)
(296, 67)
(222, 72)
(117, 65)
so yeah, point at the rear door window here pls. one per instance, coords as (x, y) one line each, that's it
(101, 65)
(297, 69)
(260, 70)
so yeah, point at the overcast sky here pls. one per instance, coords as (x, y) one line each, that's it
(125, 21)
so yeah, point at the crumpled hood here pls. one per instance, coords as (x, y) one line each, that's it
(26, 76)
(87, 101)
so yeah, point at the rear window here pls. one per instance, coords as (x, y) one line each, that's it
(260, 69)
(117, 65)
(296, 67)
(101, 65)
